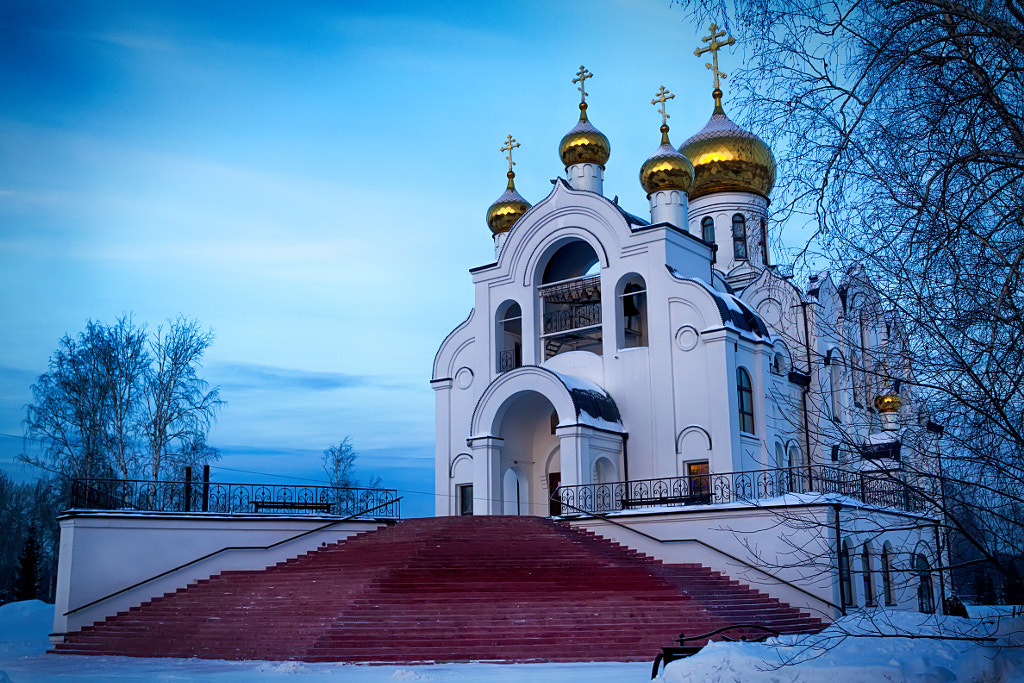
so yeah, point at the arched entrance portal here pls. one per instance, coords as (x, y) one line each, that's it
(527, 431)
(534, 429)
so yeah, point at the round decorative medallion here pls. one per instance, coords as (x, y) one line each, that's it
(463, 378)
(686, 338)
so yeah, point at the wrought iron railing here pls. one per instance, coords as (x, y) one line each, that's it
(200, 496)
(874, 488)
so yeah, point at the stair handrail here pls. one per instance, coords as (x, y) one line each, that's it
(235, 547)
(698, 542)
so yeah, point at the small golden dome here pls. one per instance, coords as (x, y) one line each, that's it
(727, 158)
(888, 403)
(584, 144)
(507, 209)
(666, 169)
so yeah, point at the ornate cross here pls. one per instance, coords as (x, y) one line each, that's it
(713, 47)
(509, 145)
(662, 96)
(581, 76)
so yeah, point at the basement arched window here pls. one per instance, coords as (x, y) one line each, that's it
(845, 578)
(867, 578)
(887, 592)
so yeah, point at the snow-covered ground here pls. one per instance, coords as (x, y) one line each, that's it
(844, 653)
(881, 647)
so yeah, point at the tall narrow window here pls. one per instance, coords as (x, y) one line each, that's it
(764, 242)
(835, 384)
(510, 337)
(745, 398)
(739, 237)
(634, 313)
(845, 579)
(925, 590)
(869, 588)
(887, 593)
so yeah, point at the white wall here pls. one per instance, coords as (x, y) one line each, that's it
(796, 544)
(101, 553)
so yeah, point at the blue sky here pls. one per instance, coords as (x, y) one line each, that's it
(307, 179)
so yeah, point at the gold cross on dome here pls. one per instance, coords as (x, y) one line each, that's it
(662, 96)
(509, 145)
(581, 76)
(713, 47)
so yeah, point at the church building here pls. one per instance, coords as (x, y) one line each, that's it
(632, 373)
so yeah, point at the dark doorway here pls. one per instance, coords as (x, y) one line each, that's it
(554, 481)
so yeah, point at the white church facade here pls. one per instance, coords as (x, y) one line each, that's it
(635, 373)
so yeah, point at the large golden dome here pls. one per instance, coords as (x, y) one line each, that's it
(666, 169)
(584, 144)
(506, 209)
(727, 158)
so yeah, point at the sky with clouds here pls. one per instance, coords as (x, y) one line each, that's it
(309, 180)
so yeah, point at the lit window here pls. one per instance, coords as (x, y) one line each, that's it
(745, 395)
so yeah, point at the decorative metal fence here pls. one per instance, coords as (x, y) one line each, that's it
(885, 489)
(202, 496)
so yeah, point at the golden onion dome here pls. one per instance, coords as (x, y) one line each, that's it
(584, 144)
(506, 209)
(888, 403)
(727, 158)
(666, 169)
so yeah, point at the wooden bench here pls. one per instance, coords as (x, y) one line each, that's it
(690, 499)
(671, 653)
(262, 505)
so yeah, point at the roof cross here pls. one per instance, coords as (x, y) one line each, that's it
(713, 47)
(509, 145)
(663, 96)
(581, 76)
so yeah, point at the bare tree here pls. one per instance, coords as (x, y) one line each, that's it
(179, 405)
(83, 406)
(899, 133)
(116, 401)
(339, 465)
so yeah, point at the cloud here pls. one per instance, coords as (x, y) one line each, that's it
(252, 376)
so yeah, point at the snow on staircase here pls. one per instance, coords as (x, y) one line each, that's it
(443, 589)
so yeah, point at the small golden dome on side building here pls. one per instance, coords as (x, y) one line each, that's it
(727, 158)
(888, 403)
(507, 209)
(666, 169)
(584, 144)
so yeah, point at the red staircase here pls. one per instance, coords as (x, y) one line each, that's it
(443, 589)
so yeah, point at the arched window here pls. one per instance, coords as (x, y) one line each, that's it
(855, 378)
(570, 294)
(845, 579)
(835, 384)
(925, 590)
(634, 313)
(745, 398)
(739, 237)
(764, 242)
(780, 456)
(707, 229)
(887, 593)
(869, 588)
(510, 336)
